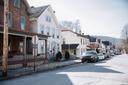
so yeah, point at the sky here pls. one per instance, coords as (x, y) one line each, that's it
(97, 17)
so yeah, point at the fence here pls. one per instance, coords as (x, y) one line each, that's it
(19, 64)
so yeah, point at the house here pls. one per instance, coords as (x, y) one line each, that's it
(94, 42)
(20, 37)
(107, 44)
(19, 26)
(44, 21)
(73, 42)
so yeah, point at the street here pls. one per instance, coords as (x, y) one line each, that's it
(108, 72)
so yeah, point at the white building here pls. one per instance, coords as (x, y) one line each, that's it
(43, 20)
(73, 42)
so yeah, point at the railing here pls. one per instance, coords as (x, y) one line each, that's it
(20, 59)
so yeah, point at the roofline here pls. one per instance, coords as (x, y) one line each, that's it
(73, 32)
(41, 11)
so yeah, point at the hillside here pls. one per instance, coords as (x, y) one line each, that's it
(113, 40)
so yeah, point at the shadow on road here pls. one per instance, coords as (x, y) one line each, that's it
(91, 67)
(40, 79)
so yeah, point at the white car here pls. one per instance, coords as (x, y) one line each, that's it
(101, 56)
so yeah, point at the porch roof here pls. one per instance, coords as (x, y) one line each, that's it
(24, 33)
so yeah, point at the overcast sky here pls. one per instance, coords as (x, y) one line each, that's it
(97, 17)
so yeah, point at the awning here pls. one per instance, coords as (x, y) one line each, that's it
(69, 46)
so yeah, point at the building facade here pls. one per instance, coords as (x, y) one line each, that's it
(43, 21)
(19, 26)
(21, 45)
(73, 42)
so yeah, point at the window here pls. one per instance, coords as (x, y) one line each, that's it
(23, 22)
(16, 3)
(57, 33)
(64, 41)
(48, 30)
(42, 29)
(9, 20)
(53, 32)
(58, 47)
(53, 35)
(81, 51)
(81, 41)
(57, 36)
(48, 18)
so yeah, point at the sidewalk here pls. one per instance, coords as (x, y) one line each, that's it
(44, 67)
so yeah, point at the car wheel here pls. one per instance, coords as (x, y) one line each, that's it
(94, 61)
(83, 60)
(88, 61)
(97, 59)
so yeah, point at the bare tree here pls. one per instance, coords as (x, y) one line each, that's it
(125, 38)
(73, 25)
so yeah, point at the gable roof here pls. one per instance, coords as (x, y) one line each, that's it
(37, 11)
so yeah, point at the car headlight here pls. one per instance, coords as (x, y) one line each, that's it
(92, 56)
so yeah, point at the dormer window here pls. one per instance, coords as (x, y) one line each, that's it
(16, 3)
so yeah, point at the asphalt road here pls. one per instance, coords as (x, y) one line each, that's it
(109, 72)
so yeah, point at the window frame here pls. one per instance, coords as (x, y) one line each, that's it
(48, 18)
(25, 22)
(9, 20)
(17, 3)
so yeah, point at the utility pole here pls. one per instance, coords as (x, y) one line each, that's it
(5, 40)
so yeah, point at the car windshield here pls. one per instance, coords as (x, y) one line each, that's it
(100, 54)
(91, 52)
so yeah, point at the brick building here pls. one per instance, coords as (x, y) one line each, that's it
(19, 25)
(20, 37)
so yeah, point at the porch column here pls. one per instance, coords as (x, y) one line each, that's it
(35, 51)
(24, 51)
(45, 48)
(5, 40)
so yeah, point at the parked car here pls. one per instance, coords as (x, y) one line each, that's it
(107, 55)
(112, 54)
(117, 53)
(89, 56)
(101, 56)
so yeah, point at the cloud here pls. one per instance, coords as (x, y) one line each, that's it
(99, 17)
